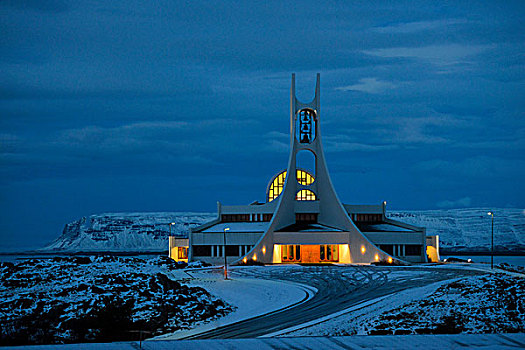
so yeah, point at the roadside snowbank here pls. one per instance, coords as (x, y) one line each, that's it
(251, 296)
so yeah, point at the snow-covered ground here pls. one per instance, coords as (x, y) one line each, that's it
(399, 342)
(459, 229)
(79, 299)
(251, 297)
(492, 303)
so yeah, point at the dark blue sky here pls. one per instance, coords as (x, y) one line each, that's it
(167, 106)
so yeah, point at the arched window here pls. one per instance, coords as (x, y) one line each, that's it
(277, 183)
(305, 195)
(304, 177)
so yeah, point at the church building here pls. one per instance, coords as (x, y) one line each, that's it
(303, 220)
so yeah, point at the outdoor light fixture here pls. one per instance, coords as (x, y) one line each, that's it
(169, 248)
(389, 259)
(224, 245)
(363, 249)
(491, 213)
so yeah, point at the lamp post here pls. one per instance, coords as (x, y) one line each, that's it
(491, 213)
(171, 223)
(224, 245)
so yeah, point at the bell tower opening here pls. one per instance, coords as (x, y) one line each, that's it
(305, 125)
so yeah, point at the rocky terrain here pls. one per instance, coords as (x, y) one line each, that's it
(97, 299)
(459, 230)
(487, 304)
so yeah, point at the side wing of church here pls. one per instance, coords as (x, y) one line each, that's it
(303, 220)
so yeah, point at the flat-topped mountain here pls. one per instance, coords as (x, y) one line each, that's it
(459, 230)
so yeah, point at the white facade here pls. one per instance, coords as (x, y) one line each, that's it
(303, 219)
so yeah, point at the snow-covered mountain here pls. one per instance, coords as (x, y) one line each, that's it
(130, 232)
(459, 229)
(470, 229)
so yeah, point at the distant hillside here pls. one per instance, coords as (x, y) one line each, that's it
(470, 229)
(459, 230)
(132, 232)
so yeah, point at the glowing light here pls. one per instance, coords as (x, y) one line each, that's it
(305, 195)
(244, 260)
(172, 223)
(376, 257)
(226, 229)
(469, 260)
(363, 249)
(304, 178)
(490, 213)
(264, 250)
(276, 187)
(254, 257)
(389, 259)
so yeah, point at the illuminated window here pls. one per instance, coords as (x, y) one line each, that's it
(304, 178)
(290, 253)
(277, 183)
(305, 195)
(183, 253)
(328, 252)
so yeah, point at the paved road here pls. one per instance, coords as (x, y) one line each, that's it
(339, 287)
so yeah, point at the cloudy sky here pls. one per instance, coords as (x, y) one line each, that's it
(120, 106)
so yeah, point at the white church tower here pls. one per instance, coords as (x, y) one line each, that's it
(303, 220)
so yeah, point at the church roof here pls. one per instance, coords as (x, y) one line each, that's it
(252, 226)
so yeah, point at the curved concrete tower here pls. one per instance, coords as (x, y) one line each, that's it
(303, 220)
(334, 224)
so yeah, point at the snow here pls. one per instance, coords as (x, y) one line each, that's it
(350, 320)
(400, 342)
(125, 232)
(251, 296)
(468, 229)
(59, 300)
(490, 303)
(460, 229)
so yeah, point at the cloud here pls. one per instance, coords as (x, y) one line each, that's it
(459, 203)
(368, 85)
(440, 55)
(277, 142)
(355, 146)
(474, 167)
(411, 27)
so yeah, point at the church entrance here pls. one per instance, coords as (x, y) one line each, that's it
(310, 253)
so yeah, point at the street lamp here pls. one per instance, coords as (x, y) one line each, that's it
(169, 240)
(225, 261)
(491, 213)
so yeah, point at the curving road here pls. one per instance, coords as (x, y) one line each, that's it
(339, 287)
